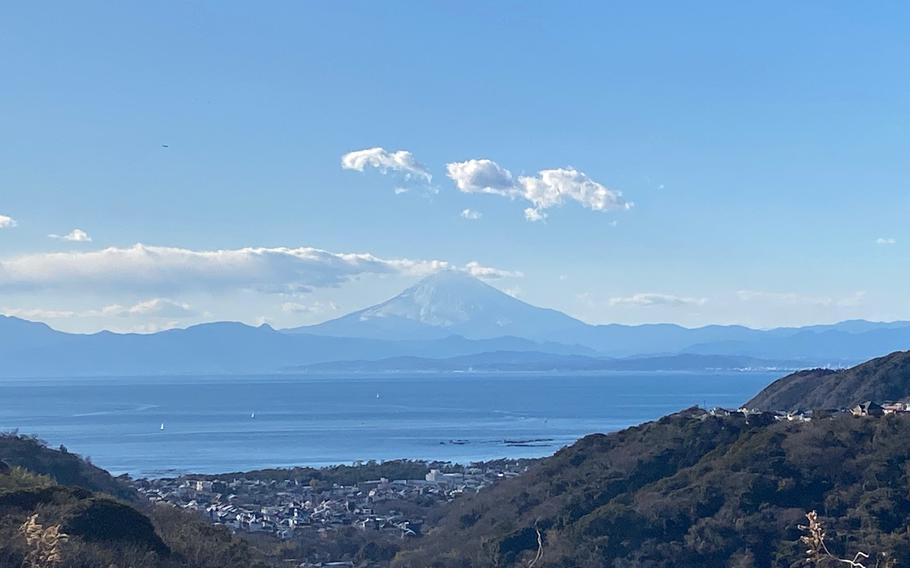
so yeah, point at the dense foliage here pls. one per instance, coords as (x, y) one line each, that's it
(60, 465)
(692, 490)
(339, 474)
(880, 380)
(46, 523)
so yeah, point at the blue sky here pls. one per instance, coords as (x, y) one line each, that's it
(764, 148)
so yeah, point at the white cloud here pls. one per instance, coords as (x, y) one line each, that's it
(471, 214)
(146, 326)
(552, 187)
(156, 307)
(885, 241)
(7, 222)
(481, 176)
(651, 299)
(37, 313)
(546, 189)
(76, 236)
(477, 270)
(313, 308)
(795, 299)
(515, 292)
(534, 214)
(142, 268)
(401, 162)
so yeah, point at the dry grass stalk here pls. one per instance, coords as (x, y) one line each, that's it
(539, 549)
(44, 543)
(817, 550)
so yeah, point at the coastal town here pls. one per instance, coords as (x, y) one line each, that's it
(283, 508)
(285, 505)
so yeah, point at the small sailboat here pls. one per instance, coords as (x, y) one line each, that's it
(252, 415)
(162, 426)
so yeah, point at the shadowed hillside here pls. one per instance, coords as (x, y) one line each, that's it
(61, 466)
(70, 523)
(880, 380)
(691, 489)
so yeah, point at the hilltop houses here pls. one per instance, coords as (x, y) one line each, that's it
(868, 408)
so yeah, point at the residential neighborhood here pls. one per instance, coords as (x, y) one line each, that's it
(284, 507)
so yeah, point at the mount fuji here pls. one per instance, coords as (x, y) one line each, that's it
(451, 303)
(447, 321)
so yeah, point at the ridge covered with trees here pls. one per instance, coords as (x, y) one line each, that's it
(692, 489)
(58, 510)
(880, 380)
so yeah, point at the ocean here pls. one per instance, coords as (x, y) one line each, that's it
(162, 426)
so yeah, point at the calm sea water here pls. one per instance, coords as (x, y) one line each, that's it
(219, 424)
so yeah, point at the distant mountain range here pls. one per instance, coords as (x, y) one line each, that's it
(34, 349)
(452, 302)
(535, 361)
(449, 315)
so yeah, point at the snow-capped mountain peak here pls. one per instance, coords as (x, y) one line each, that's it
(448, 302)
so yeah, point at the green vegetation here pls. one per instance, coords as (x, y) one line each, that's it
(692, 490)
(340, 474)
(44, 523)
(881, 380)
(60, 465)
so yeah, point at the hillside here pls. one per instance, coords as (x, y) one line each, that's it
(691, 490)
(101, 531)
(61, 466)
(880, 380)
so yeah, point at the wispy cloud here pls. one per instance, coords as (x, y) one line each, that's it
(38, 313)
(7, 222)
(515, 292)
(648, 299)
(796, 299)
(311, 308)
(156, 307)
(547, 189)
(142, 269)
(471, 214)
(477, 270)
(166, 269)
(400, 163)
(76, 236)
(153, 308)
(886, 241)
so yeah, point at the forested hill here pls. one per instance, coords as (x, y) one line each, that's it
(61, 466)
(691, 489)
(880, 380)
(46, 493)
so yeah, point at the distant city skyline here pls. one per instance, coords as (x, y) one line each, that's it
(169, 164)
